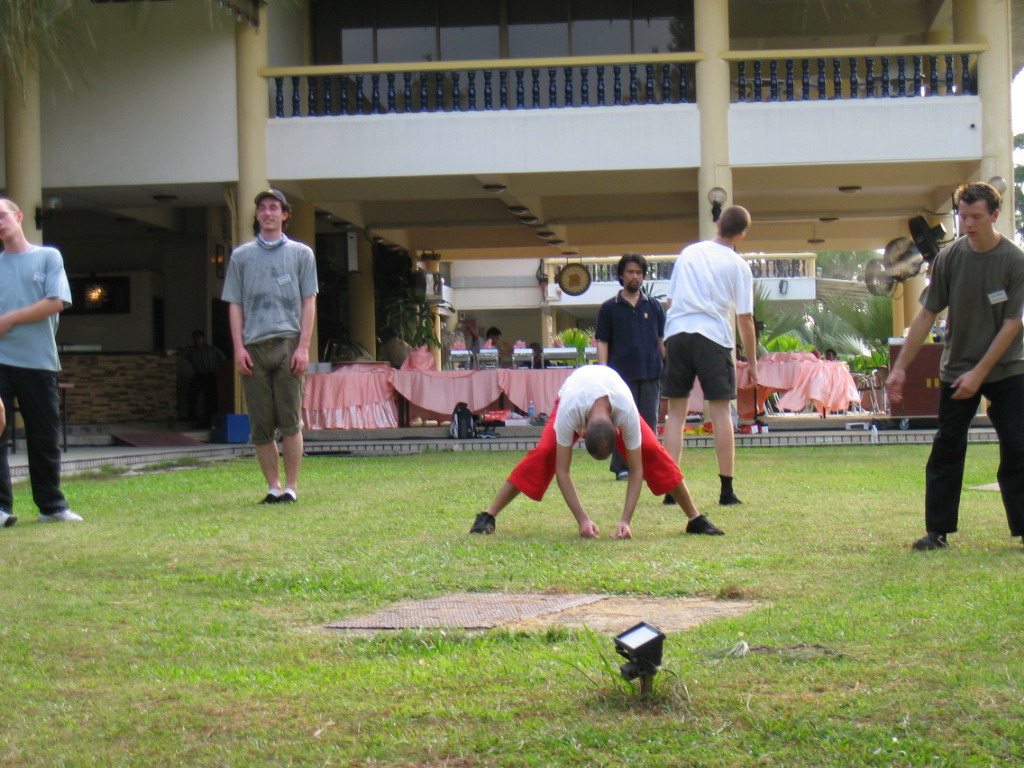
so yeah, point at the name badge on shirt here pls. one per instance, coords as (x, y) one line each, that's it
(39, 277)
(997, 297)
(284, 279)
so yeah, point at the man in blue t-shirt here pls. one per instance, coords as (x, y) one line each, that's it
(33, 291)
(630, 327)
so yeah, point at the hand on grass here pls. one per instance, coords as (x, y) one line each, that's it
(622, 531)
(589, 530)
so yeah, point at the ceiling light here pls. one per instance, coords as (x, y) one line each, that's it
(495, 188)
(828, 219)
(529, 220)
(556, 241)
(545, 234)
(815, 240)
(518, 210)
(849, 190)
(165, 198)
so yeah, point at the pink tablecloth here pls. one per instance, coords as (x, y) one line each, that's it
(826, 384)
(350, 401)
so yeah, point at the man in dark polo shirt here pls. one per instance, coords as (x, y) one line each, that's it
(629, 334)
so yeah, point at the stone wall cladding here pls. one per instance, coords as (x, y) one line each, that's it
(120, 389)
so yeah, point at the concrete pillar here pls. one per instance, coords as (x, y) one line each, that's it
(992, 21)
(362, 310)
(303, 229)
(23, 143)
(711, 30)
(898, 322)
(252, 100)
(912, 290)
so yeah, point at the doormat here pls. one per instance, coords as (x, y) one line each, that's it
(154, 439)
(487, 610)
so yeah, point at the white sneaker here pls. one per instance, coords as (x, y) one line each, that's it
(7, 519)
(63, 516)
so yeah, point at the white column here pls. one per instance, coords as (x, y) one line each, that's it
(23, 142)
(711, 33)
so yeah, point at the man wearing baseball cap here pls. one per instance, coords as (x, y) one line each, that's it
(271, 288)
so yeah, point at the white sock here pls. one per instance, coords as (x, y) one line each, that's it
(274, 492)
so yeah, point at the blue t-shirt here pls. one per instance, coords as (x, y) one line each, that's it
(26, 278)
(632, 335)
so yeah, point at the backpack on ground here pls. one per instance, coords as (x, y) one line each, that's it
(463, 424)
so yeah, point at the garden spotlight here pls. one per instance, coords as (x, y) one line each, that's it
(641, 645)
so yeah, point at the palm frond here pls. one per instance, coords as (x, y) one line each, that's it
(34, 33)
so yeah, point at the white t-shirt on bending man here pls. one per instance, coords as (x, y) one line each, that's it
(577, 397)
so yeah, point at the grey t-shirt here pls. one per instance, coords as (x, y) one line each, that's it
(981, 290)
(270, 284)
(26, 278)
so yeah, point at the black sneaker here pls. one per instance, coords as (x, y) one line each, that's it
(669, 500)
(931, 540)
(286, 498)
(484, 523)
(7, 519)
(726, 500)
(271, 498)
(701, 524)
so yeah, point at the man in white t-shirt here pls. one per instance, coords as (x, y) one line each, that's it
(596, 403)
(709, 282)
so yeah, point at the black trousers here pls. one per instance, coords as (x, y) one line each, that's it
(202, 385)
(945, 471)
(36, 392)
(647, 396)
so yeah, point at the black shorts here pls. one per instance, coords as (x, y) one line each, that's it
(692, 356)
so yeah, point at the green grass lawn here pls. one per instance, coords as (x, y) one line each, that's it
(178, 625)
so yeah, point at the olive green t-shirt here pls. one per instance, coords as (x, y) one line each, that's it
(981, 290)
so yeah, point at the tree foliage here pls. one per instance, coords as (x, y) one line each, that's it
(55, 30)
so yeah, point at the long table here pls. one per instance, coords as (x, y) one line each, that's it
(366, 399)
(369, 397)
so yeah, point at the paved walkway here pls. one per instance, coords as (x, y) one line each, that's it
(92, 458)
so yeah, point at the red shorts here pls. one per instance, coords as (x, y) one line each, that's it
(535, 471)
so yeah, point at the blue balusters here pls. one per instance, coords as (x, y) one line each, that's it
(854, 83)
(869, 78)
(344, 95)
(773, 79)
(471, 95)
(487, 89)
(741, 81)
(328, 106)
(424, 101)
(805, 79)
(391, 92)
(552, 88)
(917, 76)
(378, 105)
(520, 90)
(757, 80)
(885, 77)
(649, 84)
(837, 79)
(965, 72)
(821, 79)
(456, 93)
(439, 91)
(789, 80)
(360, 96)
(600, 86)
(933, 75)
(534, 88)
(407, 91)
(666, 84)
(949, 74)
(279, 97)
(503, 89)
(584, 87)
(683, 95)
(311, 96)
(617, 83)
(632, 84)
(568, 87)
(296, 97)
(901, 75)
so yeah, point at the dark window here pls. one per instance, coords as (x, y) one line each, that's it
(538, 28)
(406, 31)
(470, 30)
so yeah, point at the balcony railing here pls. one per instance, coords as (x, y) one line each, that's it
(469, 86)
(853, 73)
(659, 268)
(596, 81)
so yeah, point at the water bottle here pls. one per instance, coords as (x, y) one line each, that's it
(874, 433)
(531, 411)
